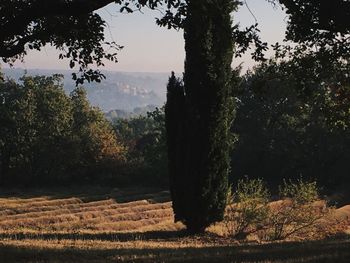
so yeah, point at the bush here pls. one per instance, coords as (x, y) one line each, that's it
(247, 208)
(298, 214)
(300, 192)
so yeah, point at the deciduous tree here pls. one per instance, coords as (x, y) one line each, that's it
(71, 26)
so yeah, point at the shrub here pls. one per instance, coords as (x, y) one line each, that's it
(301, 192)
(297, 214)
(247, 208)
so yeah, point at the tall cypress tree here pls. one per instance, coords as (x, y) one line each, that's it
(199, 115)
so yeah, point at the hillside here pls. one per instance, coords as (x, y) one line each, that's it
(122, 91)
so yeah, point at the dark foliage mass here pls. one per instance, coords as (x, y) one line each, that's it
(76, 30)
(293, 122)
(146, 149)
(311, 20)
(320, 26)
(71, 26)
(48, 137)
(199, 115)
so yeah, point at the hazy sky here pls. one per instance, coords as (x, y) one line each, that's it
(149, 48)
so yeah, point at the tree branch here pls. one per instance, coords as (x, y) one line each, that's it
(21, 18)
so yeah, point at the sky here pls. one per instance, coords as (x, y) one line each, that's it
(149, 48)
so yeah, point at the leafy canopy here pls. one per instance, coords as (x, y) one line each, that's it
(71, 26)
(77, 31)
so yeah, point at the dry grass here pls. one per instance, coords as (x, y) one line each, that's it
(130, 225)
(113, 211)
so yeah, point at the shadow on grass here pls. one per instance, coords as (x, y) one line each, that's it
(316, 251)
(91, 193)
(120, 237)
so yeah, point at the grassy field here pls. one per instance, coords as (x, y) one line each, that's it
(128, 225)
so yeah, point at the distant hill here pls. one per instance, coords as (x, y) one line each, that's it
(120, 90)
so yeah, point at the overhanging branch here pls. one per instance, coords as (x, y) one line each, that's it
(21, 18)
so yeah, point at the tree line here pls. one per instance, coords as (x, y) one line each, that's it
(48, 137)
(290, 121)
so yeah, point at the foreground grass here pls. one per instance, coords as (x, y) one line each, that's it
(129, 225)
(171, 251)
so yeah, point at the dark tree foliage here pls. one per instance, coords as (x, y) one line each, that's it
(292, 120)
(310, 20)
(47, 136)
(144, 137)
(77, 31)
(71, 26)
(175, 123)
(320, 26)
(200, 114)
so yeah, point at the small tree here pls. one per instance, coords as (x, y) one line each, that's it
(94, 136)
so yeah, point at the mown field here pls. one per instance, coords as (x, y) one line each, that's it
(129, 225)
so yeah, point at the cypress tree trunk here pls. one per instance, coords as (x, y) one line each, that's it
(199, 115)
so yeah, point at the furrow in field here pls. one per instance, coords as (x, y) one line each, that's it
(22, 200)
(122, 197)
(49, 216)
(68, 216)
(94, 223)
(74, 230)
(133, 216)
(54, 202)
(96, 205)
(28, 211)
(91, 212)
(154, 196)
(23, 205)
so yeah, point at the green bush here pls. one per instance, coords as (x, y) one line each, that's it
(300, 191)
(247, 208)
(297, 214)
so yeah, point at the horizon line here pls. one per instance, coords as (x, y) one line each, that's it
(72, 70)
